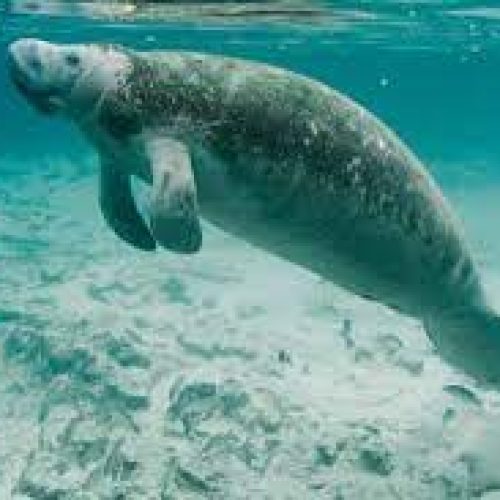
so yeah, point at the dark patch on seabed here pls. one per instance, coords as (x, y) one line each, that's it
(232, 374)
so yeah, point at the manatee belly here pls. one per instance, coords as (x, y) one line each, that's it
(330, 236)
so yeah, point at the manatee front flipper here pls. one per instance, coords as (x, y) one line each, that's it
(174, 220)
(119, 209)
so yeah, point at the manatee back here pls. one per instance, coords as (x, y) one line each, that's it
(326, 162)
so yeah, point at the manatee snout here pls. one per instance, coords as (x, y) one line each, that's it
(26, 61)
(45, 73)
(23, 58)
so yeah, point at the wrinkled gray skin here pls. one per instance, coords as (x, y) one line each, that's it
(279, 160)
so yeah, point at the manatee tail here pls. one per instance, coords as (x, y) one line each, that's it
(469, 339)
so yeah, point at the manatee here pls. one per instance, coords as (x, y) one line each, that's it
(275, 158)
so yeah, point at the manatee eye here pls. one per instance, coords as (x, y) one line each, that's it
(72, 59)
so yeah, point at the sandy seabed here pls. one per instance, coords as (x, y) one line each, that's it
(227, 375)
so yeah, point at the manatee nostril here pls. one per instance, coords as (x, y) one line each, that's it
(35, 64)
(32, 58)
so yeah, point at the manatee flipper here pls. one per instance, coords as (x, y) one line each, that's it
(119, 209)
(174, 220)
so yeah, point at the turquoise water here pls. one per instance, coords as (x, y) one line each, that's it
(233, 374)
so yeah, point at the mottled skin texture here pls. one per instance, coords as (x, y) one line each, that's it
(295, 167)
(279, 160)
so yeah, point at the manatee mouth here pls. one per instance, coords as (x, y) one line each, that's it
(43, 101)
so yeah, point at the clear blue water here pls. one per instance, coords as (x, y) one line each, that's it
(233, 374)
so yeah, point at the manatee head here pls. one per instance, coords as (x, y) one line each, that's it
(64, 78)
